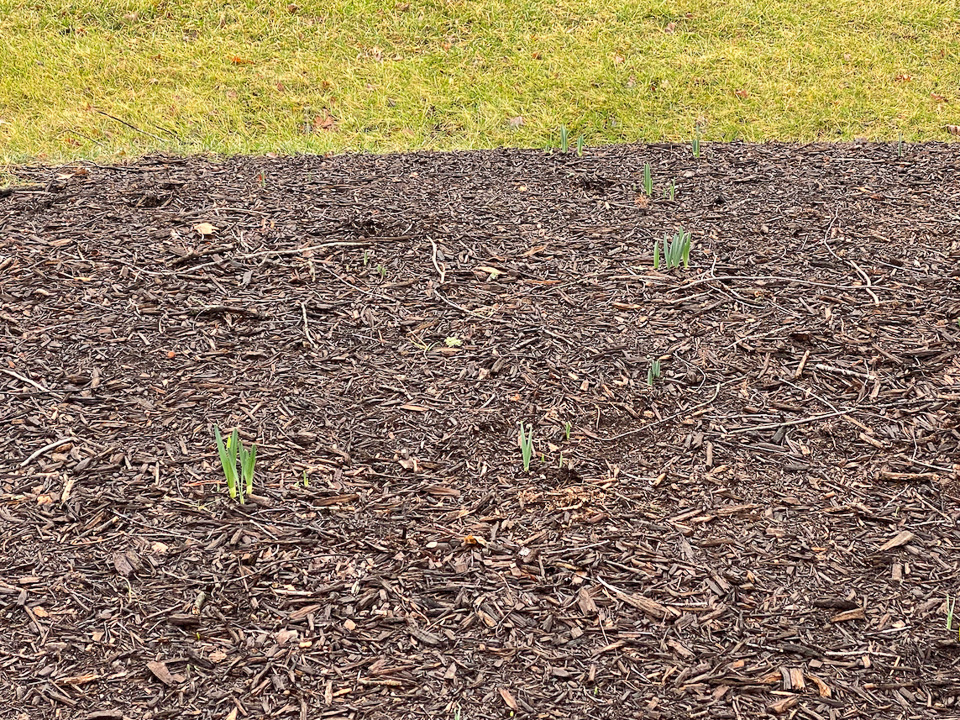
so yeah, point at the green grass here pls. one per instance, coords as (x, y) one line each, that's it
(254, 76)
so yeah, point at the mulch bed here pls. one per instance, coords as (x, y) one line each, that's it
(770, 528)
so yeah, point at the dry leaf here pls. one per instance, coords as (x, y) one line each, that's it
(586, 603)
(902, 538)
(349, 625)
(324, 122)
(822, 687)
(122, 564)
(159, 670)
(284, 636)
(205, 229)
(515, 122)
(232, 715)
(240, 61)
(79, 679)
(508, 699)
(953, 129)
(742, 94)
(217, 656)
(857, 614)
(40, 612)
(781, 706)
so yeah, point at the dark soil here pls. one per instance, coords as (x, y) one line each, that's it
(770, 528)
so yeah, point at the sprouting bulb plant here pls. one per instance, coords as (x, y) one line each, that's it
(382, 270)
(653, 372)
(675, 251)
(230, 451)
(567, 427)
(248, 464)
(580, 145)
(647, 180)
(228, 460)
(951, 605)
(564, 139)
(526, 447)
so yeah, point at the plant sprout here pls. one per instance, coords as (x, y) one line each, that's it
(228, 459)
(229, 452)
(566, 430)
(951, 605)
(675, 251)
(653, 373)
(564, 139)
(526, 447)
(647, 180)
(580, 146)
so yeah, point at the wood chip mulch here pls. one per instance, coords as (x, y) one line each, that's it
(770, 529)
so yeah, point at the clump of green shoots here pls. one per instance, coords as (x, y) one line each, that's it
(567, 427)
(647, 180)
(580, 145)
(231, 451)
(671, 190)
(564, 139)
(653, 372)
(526, 447)
(675, 251)
(382, 270)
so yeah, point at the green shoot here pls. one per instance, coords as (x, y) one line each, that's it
(566, 430)
(672, 190)
(230, 451)
(675, 251)
(900, 146)
(653, 373)
(366, 257)
(306, 480)
(382, 270)
(526, 447)
(560, 465)
(228, 459)
(647, 180)
(248, 464)
(696, 145)
(580, 146)
(951, 605)
(564, 139)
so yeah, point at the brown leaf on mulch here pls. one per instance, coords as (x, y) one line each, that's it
(160, 671)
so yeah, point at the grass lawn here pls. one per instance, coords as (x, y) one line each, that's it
(105, 79)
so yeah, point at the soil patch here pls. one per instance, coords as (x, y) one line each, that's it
(770, 527)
